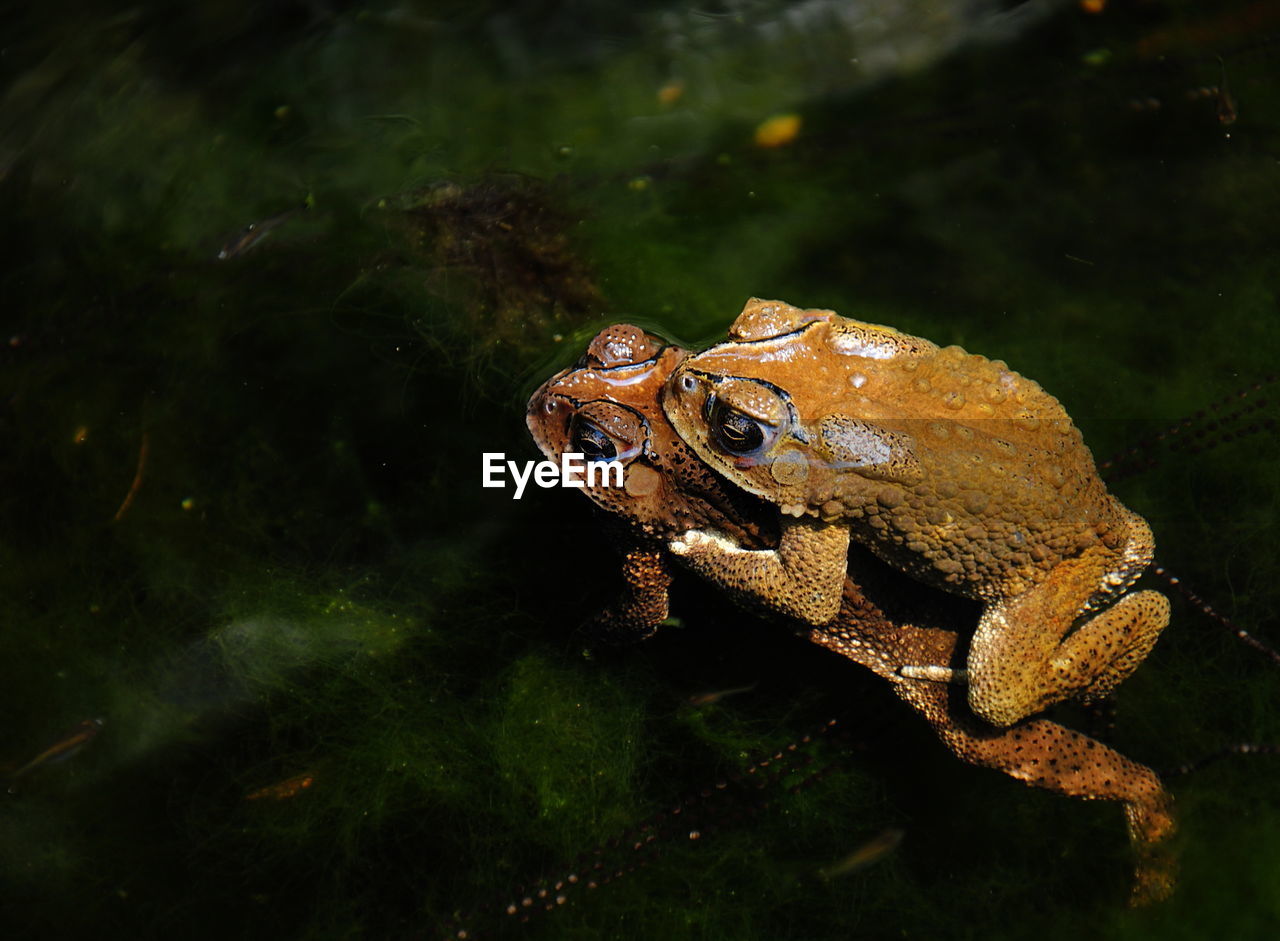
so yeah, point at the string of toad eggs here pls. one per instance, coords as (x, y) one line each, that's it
(688, 820)
(1219, 423)
(1210, 427)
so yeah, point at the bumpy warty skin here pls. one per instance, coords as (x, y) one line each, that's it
(882, 622)
(951, 467)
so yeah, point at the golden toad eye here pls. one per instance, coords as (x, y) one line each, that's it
(592, 443)
(736, 433)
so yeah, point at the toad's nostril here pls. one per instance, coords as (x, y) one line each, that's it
(688, 383)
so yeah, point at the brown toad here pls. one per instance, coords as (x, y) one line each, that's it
(606, 407)
(949, 466)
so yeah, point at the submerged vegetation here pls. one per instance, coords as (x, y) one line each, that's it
(242, 521)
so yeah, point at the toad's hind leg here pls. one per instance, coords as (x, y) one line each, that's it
(1019, 661)
(1045, 754)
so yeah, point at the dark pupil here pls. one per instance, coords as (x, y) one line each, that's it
(738, 433)
(593, 443)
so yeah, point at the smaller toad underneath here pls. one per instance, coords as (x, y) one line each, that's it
(949, 466)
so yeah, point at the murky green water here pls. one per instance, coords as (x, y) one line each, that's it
(342, 685)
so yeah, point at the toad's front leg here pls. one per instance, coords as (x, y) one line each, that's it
(803, 578)
(642, 605)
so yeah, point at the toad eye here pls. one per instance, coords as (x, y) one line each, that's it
(588, 440)
(736, 433)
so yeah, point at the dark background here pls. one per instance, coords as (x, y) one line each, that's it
(309, 583)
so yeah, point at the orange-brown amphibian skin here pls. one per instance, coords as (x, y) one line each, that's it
(607, 406)
(951, 467)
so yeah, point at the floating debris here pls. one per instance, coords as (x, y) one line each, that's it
(255, 232)
(706, 699)
(872, 851)
(64, 748)
(500, 250)
(283, 790)
(778, 131)
(670, 93)
(134, 487)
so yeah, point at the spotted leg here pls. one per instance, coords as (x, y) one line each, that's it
(1036, 751)
(1024, 655)
(1050, 756)
(642, 605)
(803, 578)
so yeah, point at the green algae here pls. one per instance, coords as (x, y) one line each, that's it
(311, 584)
